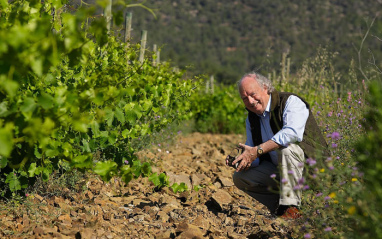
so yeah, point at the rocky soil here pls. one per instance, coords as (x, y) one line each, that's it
(111, 210)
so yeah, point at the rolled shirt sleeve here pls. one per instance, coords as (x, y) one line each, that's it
(295, 116)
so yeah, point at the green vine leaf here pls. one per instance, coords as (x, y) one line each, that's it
(106, 169)
(13, 182)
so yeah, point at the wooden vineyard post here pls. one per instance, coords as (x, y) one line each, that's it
(207, 86)
(143, 45)
(212, 84)
(156, 60)
(128, 19)
(107, 14)
(155, 52)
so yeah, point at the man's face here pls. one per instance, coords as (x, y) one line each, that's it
(253, 95)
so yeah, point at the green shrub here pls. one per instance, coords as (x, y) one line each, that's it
(70, 99)
(219, 112)
(366, 208)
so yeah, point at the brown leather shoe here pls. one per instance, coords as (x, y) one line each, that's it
(291, 213)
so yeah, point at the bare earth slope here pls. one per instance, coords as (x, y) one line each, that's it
(110, 210)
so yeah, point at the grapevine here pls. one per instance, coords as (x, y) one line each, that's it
(75, 100)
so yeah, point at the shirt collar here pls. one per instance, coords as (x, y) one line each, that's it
(267, 109)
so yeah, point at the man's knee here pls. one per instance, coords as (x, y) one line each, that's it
(238, 180)
(293, 151)
(243, 182)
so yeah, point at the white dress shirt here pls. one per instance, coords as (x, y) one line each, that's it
(295, 116)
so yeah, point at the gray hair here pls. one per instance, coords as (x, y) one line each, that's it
(262, 80)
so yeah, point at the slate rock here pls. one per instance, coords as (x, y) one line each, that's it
(226, 182)
(182, 178)
(221, 198)
(189, 231)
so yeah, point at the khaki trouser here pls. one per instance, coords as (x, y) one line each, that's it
(272, 192)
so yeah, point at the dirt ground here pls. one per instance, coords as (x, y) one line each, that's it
(110, 210)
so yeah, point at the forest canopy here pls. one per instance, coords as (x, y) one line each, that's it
(229, 38)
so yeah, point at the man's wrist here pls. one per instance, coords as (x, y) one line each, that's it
(253, 153)
(259, 150)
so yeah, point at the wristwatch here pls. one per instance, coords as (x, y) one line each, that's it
(260, 151)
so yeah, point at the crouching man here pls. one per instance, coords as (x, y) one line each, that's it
(281, 134)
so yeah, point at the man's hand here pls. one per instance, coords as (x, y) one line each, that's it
(246, 158)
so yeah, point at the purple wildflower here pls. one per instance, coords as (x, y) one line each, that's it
(311, 161)
(331, 167)
(306, 187)
(290, 172)
(318, 194)
(273, 175)
(328, 229)
(307, 235)
(334, 145)
(336, 135)
(284, 180)
(126, 162)
(326, 198)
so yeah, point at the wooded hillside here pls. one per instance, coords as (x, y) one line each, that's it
(229, 38)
